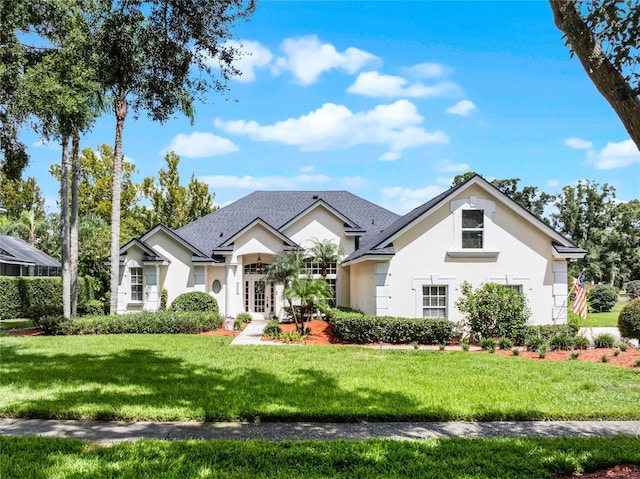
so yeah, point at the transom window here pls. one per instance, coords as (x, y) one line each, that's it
(472, 228)
(255, 268)
(434, 301)
(136, 280)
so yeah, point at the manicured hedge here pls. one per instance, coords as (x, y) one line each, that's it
(548, 331)
(355, 327)
(35, 297)
(195, 301)
(146, 322)
(629, 320)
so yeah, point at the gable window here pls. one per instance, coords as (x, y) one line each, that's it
(434, 301)
(135, 275)
(472, 229)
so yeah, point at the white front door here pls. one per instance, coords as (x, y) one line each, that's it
(259, 297)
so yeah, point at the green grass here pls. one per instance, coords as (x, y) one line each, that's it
(609, 319)
(7, 324)
(190, 377)
(514, 458)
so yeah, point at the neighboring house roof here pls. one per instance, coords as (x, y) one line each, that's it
(278, 209)
(381, 244)
(17, 251)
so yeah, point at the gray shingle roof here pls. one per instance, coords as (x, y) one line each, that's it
(16, 250)
(277, 208)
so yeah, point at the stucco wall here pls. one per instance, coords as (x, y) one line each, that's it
(523, 257)
(362, 276)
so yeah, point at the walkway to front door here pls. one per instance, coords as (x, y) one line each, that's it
(251, 334)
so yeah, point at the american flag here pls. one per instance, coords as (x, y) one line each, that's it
(580, 301)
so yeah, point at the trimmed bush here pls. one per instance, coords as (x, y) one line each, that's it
(534, 343)
(164, 298)
(195, 301)
(146, 322)
(632, 288)
(604, 341)
(561, 342)
(629, 320)
(494, 310)
(272, 329)
(92, 308)
(353, 327)
(548, 331)
(581, 342)
(244, 317)
(602, 298)
(37, 297)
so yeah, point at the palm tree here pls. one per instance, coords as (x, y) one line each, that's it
(323, 253)
(312, 294)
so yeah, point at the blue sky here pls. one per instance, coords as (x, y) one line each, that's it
(389, 100)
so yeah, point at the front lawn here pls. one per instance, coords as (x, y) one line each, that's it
(191, 377)
(9, 324)
(515, 458)
(609, 319)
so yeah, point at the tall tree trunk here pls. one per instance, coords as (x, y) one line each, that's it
(121, 114)
(73, 254)
(609, 81)
(64, 233)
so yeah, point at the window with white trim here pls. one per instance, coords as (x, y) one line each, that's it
(434, 301)
(472, 229)
(136, 281)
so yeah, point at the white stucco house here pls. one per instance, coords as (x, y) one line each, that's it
(411, 265)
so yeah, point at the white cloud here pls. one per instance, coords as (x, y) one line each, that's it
(397, 125)
(253, 56)
(615, 155)
(355, 182)
(448, 166)
(374, 84)
(306, 58)
(578, 143)
(199, 145)
(553, 183)
(390, 156)
(47, 144)
(462, 108)
(264, 182)
(402, 200)
(307, 169)
(427, 70)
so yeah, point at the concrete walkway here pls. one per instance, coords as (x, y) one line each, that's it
(114, 432)
(251, 334)
(591, 333)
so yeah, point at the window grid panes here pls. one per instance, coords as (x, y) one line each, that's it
(316, 268)
(136, 284)
(434, 301)
(472, 228)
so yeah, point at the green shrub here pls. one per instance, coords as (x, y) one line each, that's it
(548, 331)
(195, 301)
(604, 358)
(493, 310)
(581, 342)
(542, 351)
(164, 298)
(604, 341)
(464, 345)
(561, 341)
(602, 298)
(37, 297)
(92, 308)
(357, 328)
(145, 322)
(244, 317)
(272, 329)
(534, 343)
(488, 344)
(515, 351)
(629, 320)
(291, 336)
(574, 355)
(632, 288)
(505, 343)
(622, 346)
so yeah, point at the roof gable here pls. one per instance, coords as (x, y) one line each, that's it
(384, 240)
(264, 224)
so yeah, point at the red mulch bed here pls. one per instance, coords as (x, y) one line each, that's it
(622, 471)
